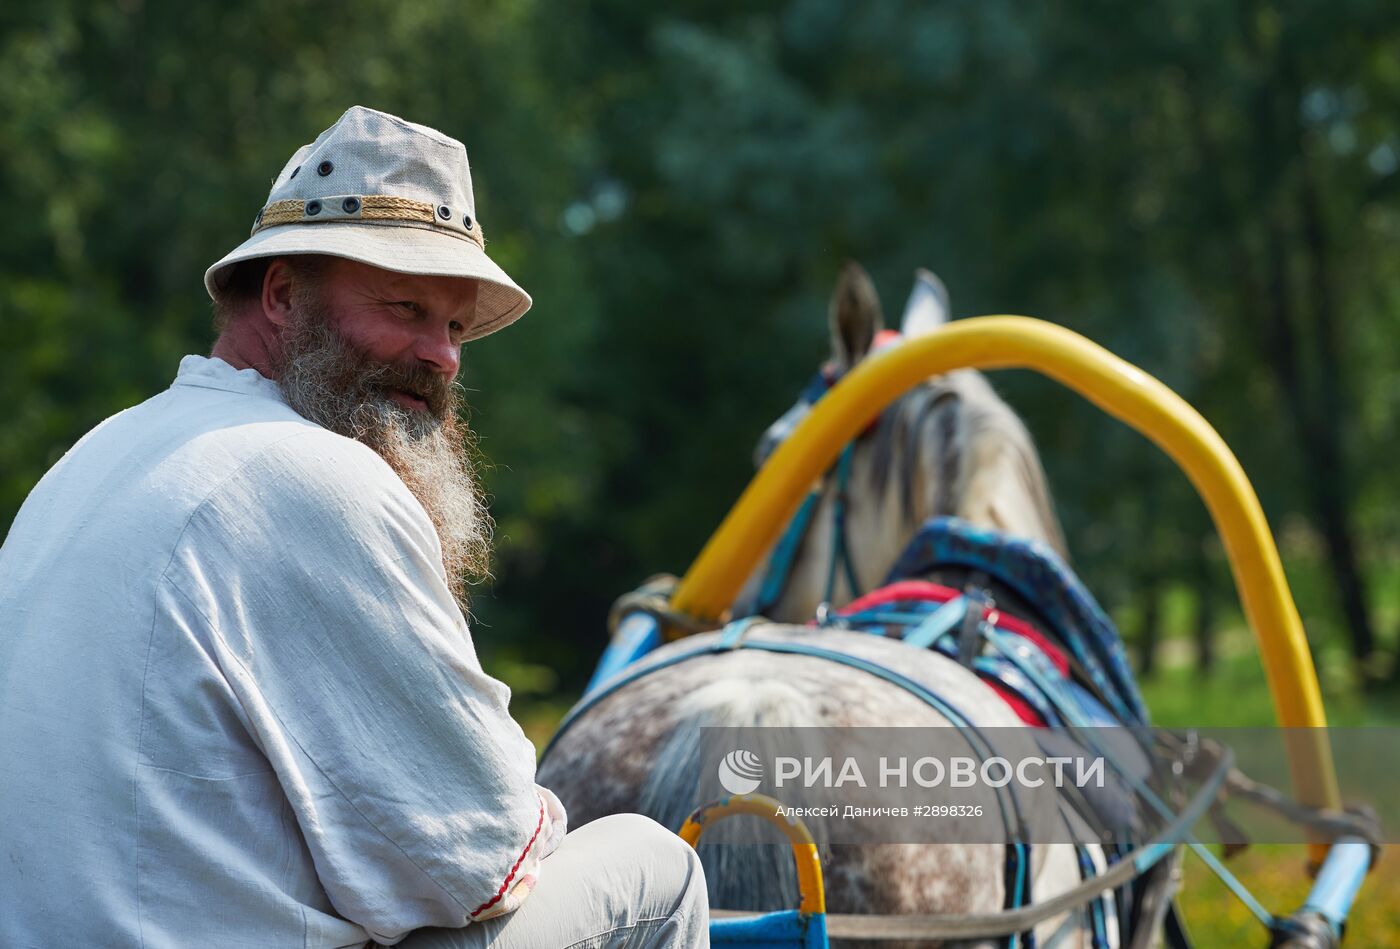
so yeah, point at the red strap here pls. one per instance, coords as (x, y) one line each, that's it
(1021, 628)
(907, 590)
(1020, 706)
(885, 338)
(903, 590)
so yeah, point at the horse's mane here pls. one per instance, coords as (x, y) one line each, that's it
(930, 445)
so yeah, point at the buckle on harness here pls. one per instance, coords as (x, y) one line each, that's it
(979, 600)
(733, 633)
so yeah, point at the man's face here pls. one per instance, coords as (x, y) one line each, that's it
(372, 355)
(400, 319)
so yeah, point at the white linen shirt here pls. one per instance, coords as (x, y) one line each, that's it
(238, 704)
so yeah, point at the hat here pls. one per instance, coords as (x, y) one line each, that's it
(388, 193)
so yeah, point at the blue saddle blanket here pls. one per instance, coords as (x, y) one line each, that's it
(1038, 575)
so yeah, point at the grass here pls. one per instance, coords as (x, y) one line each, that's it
(1274, 873)
(1237, 695)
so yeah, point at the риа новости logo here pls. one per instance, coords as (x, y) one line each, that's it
(740, 772)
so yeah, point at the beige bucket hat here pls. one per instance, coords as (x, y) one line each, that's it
(389, 193)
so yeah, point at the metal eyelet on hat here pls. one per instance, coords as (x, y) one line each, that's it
(350, 205)
(294, 173)
(444, 212)
(325, 168)
(313, 207)
(467, 221)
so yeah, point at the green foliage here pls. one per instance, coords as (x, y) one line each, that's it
(1192, 184)
(1181, 182)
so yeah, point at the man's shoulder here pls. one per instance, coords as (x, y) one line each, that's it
(307, 490)
(308, 503)
(300, 446)
(234, 440)
(233, 430)
(184, 446)
(304, 462)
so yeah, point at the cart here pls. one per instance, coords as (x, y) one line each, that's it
(1340, 861)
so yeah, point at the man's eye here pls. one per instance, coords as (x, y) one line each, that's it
(409, 305)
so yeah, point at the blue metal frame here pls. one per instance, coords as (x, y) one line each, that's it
(784, 928)
(1339, 880)
(637, 635)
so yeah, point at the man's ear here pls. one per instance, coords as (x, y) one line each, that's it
(277, 293)
(854, 316)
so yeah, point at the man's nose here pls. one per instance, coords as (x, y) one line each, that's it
(439, 351)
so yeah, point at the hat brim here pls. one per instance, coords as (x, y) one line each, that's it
(401, 247)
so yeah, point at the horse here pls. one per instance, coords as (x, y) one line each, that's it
(950, 446)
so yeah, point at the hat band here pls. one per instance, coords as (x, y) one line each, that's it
(370, 207)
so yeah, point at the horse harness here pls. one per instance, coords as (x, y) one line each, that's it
(1013, 925)
(1013, 614)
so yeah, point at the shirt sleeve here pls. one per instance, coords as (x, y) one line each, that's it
(319, 579)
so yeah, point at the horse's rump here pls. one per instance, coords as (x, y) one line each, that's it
(640, 748)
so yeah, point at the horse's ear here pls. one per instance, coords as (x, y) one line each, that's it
(854, 315)
(928, 306)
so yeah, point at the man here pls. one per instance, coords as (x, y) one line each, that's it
(239, 703)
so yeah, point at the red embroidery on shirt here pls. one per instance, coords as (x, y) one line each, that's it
(519, 860)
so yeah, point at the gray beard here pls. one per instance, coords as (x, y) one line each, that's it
(325, 379)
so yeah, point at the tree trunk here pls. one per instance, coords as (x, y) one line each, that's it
(1330, 470)
(1323, 473)
(1150, 629)
(1317, 410)
(1205, 622)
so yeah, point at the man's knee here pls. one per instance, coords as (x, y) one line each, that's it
(668, 883)
(639, 837)
(669, 865)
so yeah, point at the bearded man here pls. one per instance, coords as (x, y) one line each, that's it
(239, 702)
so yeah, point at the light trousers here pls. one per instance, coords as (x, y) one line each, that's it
(621, 881)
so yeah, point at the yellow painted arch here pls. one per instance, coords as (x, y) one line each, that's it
(804, 848)
(1120, 389)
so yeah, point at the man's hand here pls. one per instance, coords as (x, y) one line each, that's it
(554, 826)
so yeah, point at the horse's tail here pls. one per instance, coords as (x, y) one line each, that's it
(753, 876)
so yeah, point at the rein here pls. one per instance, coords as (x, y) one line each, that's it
(1017, 862)
(779, 569)
(1020, 916)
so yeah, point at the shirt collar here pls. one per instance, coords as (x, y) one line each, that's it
(211, 372)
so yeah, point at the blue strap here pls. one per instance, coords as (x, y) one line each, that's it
(1038, 575)
(1097, 916)
(970, 632)
(881, 616)
(937, 623)
(734, 632)
(1036, 665)
(1018, 891)
(840, 551)
(1009, 677)
(780, 564)
(628, 675)
(1011, 818)
(1033, 662)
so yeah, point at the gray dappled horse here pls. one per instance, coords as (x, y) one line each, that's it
(948, 447)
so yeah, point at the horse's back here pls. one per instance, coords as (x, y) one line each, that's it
(641, 747)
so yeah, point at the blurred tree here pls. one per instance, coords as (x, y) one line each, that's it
(1208, 189)
(1155, 178)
